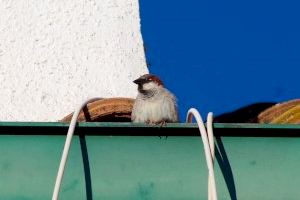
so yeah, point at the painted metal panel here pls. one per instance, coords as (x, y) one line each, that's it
(108, 165)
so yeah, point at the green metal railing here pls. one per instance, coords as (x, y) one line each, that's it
(135, 161)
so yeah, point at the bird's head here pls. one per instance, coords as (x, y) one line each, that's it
(148, 83)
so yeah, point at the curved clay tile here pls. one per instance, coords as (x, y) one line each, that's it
(282, 113)
(108, 109)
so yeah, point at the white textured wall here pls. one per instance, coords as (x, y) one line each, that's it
(56, 53)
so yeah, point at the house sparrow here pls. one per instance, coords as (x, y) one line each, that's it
(154, 104)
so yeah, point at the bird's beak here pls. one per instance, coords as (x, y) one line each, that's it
(139, 81)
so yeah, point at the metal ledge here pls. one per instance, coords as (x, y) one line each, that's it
(134, 129)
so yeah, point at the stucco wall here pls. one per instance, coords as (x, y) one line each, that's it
(54, 54)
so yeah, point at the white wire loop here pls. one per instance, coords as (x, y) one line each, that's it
(209, 150)
(65, 153)
(207, 139)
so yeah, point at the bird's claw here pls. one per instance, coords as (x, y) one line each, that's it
(162, 123)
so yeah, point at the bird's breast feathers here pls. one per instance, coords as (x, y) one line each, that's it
(161, 108)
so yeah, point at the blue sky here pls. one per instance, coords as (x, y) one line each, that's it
(222, 55)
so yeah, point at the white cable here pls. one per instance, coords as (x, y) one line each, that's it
(208, 144)
(207, 139)
(209, 127)
(65, 153)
